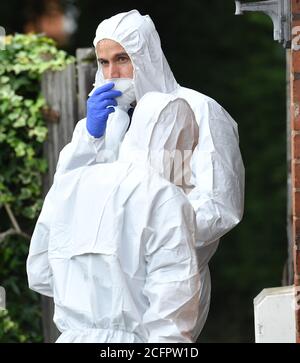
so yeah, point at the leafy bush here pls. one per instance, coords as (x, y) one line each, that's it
(22, 133)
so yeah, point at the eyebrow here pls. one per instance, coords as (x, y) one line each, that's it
(123, 54)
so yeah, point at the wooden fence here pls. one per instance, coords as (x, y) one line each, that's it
(66, 94)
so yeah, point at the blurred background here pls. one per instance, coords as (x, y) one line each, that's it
(234, 60)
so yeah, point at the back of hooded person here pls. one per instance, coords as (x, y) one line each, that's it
(217, 167)
(115, 242)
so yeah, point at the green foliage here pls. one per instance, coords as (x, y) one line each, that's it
(22, 130)
(10, 329)
(22, 134)
(21, 322)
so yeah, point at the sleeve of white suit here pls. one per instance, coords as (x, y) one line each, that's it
(81, 151)
(84, 149)
(38, 269)
(172, 281)
(217, 173)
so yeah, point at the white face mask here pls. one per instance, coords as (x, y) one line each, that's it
(126, 86)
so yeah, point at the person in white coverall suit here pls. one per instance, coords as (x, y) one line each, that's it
(128, 46)
(115, 242)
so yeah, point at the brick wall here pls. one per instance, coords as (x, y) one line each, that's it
(295, 152)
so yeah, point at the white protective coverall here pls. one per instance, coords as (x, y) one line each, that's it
(217, 166)
(115, 242)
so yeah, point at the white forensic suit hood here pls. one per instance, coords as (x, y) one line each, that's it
(115, 242)
(139, 38)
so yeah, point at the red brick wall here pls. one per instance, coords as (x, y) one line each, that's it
(295, 144)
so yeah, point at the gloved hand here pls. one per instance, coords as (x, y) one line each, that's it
(99, 106)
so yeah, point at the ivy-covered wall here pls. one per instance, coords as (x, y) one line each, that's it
(22, 164)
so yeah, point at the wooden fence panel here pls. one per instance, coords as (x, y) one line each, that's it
(60, 91)
(86, 70)
(66, 93)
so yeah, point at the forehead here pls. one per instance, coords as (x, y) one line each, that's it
(107, 48)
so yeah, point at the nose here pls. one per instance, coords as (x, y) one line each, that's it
(113, 71)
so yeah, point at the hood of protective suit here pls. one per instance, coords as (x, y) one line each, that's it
(163, 136)
(138, 36)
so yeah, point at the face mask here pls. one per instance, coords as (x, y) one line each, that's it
(126, 86)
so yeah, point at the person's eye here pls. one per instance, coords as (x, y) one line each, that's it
(123, 59)
(103, 62)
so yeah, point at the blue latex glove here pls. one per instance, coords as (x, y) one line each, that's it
(99, 106)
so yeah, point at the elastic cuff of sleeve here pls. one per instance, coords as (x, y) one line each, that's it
(92, 138)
